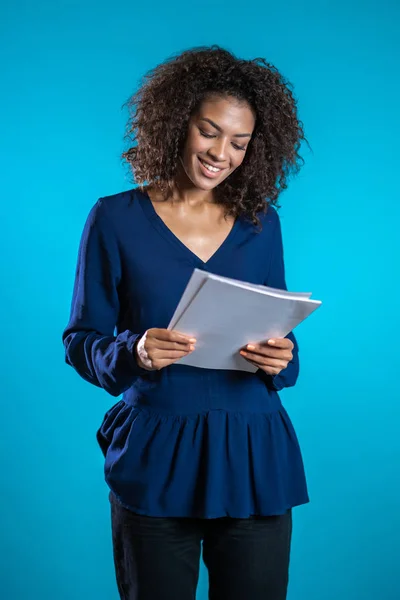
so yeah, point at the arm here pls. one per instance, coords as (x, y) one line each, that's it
(276, 278)
(100, 357)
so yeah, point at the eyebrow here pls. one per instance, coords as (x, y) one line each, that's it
(219, 128)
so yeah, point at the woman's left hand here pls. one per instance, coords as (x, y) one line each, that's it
(271, 356)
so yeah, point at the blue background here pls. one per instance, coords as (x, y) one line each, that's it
(69, 66)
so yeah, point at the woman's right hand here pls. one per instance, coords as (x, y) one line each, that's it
(158, 348)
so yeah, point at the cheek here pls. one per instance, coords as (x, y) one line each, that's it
(199, 145)
(194, 143)
(240, 158)
(236, 161)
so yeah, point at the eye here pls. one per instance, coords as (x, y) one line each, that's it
(243, 148)
(207, 135)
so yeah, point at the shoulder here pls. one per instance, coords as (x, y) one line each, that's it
(115, 204)
(269, 220)
(113, 208)
(269, 232)
(271, 215)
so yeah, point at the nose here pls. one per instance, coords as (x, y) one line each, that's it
(218, 151)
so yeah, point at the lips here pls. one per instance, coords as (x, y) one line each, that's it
(211, 164)
(206, 172)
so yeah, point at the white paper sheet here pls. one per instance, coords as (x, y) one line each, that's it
(224, 315)
(199, 277)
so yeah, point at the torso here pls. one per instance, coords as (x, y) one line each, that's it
(201, 228)
(187, 441)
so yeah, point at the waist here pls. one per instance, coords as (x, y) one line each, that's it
(187, 390)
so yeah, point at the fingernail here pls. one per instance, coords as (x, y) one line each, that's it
(271, 342)
(251, 347)
(191, 348)
(193, 340)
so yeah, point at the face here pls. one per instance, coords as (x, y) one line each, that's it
(218, 137)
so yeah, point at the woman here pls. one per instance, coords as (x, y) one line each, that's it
(193, 456)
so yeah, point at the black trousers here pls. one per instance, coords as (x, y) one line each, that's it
(158, 558)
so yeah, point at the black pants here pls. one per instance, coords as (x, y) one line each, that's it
(158, 558)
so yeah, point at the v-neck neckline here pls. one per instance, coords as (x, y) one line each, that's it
(169, 235)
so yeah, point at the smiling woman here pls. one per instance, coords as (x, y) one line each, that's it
(212, 140)
(193, 455)
(245, 107)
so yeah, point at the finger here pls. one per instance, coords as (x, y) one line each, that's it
(269, 370)
(191, 338)
(264, 361)
(266, 369)
(169, 354)
(278, 353)
(156, 344)
(170, 336)
(280, 343)
(165, 360)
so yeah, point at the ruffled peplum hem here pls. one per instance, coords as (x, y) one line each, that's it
(213, 464)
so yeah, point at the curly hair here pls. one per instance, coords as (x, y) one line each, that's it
(159, 114)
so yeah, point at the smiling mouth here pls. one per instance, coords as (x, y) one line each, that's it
(210, 168)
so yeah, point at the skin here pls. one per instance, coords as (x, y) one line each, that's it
(199, 222)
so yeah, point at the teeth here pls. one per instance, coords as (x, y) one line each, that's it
(209, 167)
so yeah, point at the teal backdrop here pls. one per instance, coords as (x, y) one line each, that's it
(67, 68)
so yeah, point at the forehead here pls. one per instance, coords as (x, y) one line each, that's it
(228, 113)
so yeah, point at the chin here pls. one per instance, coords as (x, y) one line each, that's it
(204, 185)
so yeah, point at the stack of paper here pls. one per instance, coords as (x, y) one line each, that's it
(225, 314)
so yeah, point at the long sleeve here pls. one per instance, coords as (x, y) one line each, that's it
(276, 278)
(100, 357)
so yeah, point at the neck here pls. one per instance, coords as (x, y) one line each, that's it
(191, 195)
(184, 192)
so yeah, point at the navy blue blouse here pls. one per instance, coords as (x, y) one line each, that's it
(182, 441)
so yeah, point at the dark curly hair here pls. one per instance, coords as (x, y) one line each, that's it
(159, 114)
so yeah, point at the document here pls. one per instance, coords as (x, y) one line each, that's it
(225, 314)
